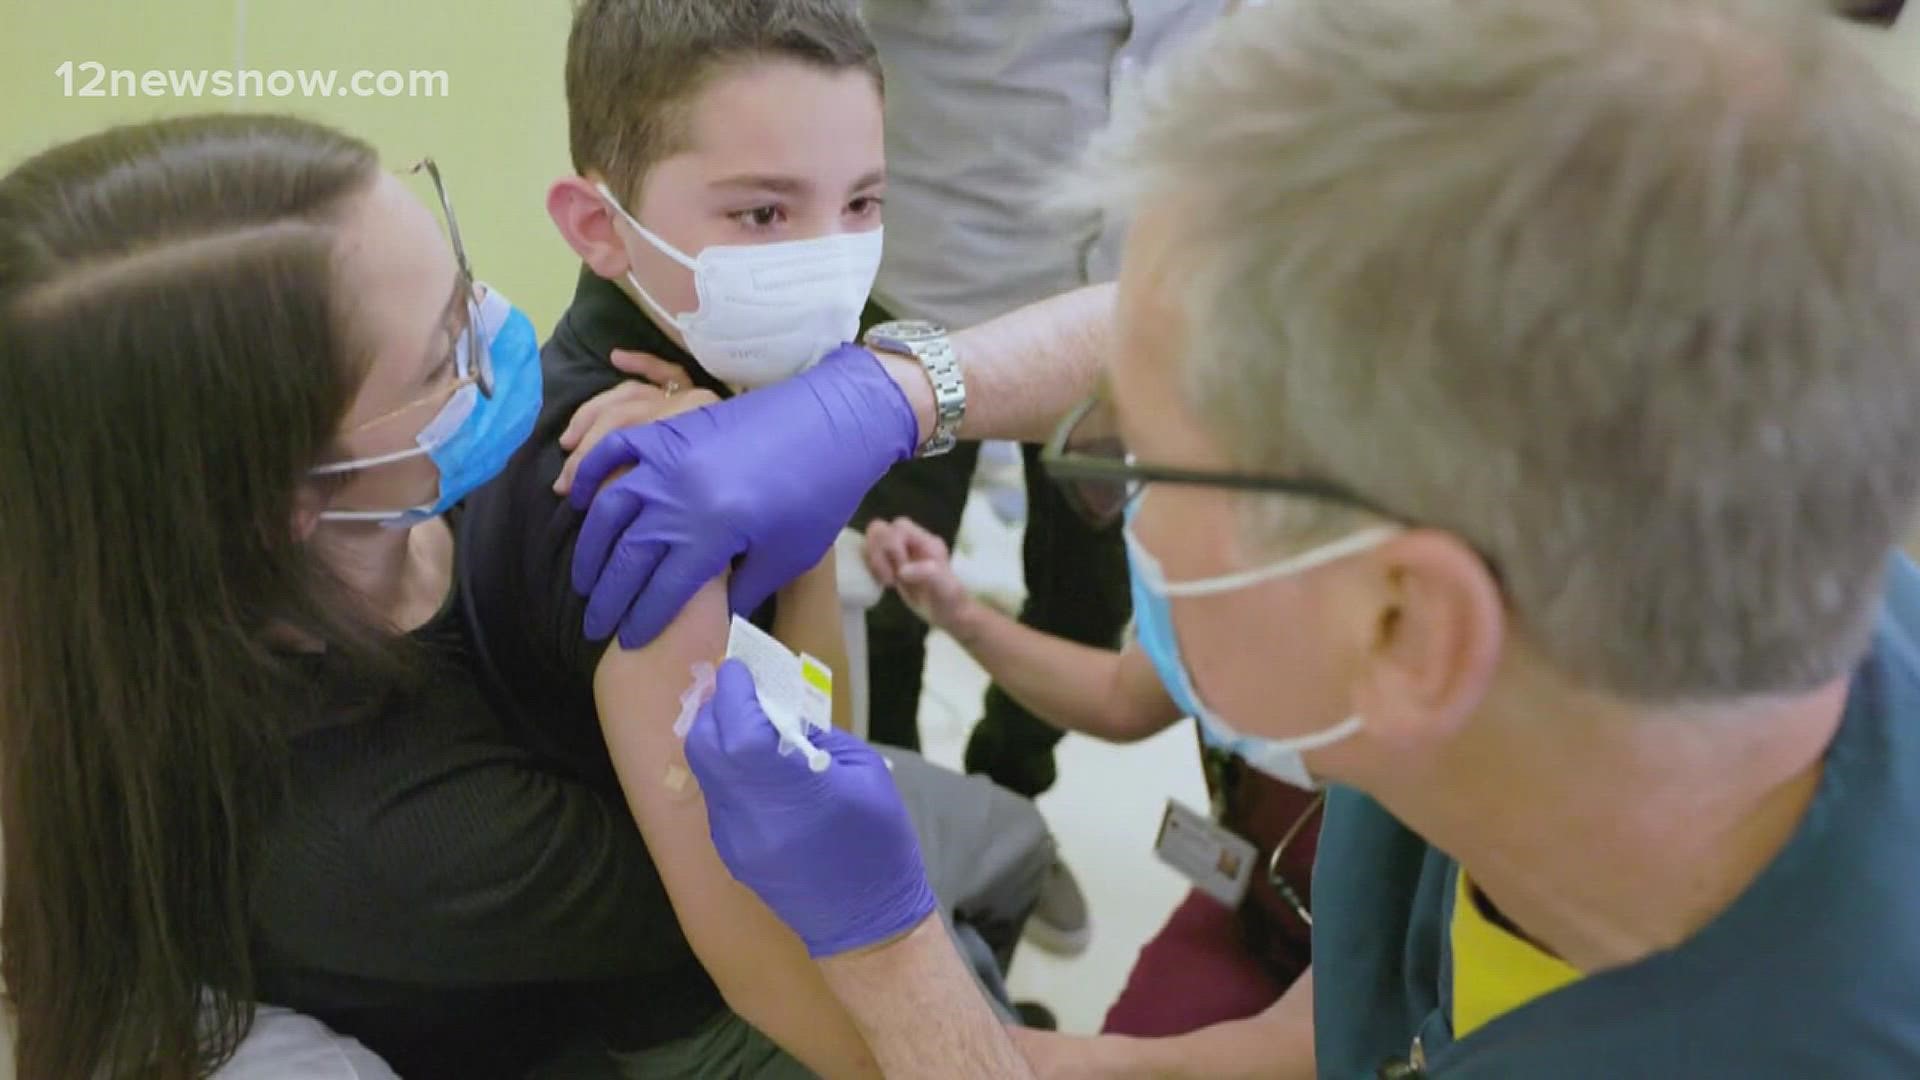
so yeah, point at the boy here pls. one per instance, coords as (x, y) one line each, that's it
(726, 205)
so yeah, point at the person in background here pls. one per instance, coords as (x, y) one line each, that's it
(1543, 497)
(726, 205)
(1871, 12)
(986, 104)
(1210, 963)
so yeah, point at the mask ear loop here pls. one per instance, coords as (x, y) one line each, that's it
(337, 467)
(1149, 568)
(396, 519)
(1299, 564)
(663, 247)
(647, 234)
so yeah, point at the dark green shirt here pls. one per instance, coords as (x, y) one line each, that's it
(1813, 972)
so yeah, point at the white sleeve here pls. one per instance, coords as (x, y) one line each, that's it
(286, 1045)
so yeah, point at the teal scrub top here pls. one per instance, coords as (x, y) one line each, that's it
(1814, 971)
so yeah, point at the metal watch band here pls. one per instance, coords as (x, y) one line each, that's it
(942, 365)
(929, 344)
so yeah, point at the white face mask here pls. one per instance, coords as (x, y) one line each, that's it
(767, 311)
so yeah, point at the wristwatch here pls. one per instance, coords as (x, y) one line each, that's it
(929, 343)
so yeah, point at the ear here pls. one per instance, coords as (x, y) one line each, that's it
(586, 223)
(308, 502)
(1439, 631)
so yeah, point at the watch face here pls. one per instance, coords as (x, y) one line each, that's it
(906, 331)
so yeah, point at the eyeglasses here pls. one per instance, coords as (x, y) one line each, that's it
(1098, 475)
(472, 360)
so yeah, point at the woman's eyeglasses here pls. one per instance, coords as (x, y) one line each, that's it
(473, 360)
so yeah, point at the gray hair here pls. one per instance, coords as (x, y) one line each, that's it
(1624, 293)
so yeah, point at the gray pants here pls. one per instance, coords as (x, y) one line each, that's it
(987, 852)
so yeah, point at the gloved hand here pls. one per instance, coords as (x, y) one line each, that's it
(832, 853)
(769, 477)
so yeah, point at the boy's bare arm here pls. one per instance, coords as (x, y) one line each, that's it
(807, 619)
(761, 968)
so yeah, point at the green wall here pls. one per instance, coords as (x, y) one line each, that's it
(498, 132)
(498, 129)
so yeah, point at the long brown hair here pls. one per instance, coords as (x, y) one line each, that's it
(173, 359)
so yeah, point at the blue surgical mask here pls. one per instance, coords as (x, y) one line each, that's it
(473, 436)
(1153, 629)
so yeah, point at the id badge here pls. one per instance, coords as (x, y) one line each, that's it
(1219, 862)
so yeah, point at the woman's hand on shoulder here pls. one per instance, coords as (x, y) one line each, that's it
(662, 389)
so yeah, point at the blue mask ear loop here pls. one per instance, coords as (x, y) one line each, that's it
(393, 519)
(490, 314)
(389, 518)
(412, 515)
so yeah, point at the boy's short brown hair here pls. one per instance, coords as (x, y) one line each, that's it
(633, 66)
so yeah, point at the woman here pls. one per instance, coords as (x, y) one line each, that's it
(242, 377)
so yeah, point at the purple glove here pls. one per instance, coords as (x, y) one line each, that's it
(832, 853)
(769, 476)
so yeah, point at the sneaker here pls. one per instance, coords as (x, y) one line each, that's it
(1000, 478)
(1034, 1015)
(1059, 923)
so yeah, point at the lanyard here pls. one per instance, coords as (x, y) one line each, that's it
(1225, 774)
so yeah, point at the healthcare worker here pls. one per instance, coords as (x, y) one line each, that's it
(1516, 402)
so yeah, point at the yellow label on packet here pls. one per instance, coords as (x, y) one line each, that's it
(795, 690)
(817, 675)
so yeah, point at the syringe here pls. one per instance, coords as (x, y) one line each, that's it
(793, 736)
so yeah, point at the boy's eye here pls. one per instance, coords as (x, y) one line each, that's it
(760, 217)
(866, 204)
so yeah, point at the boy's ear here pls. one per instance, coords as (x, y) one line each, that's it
(586, 223)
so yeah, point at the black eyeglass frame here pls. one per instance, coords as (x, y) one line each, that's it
(1069, 468)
